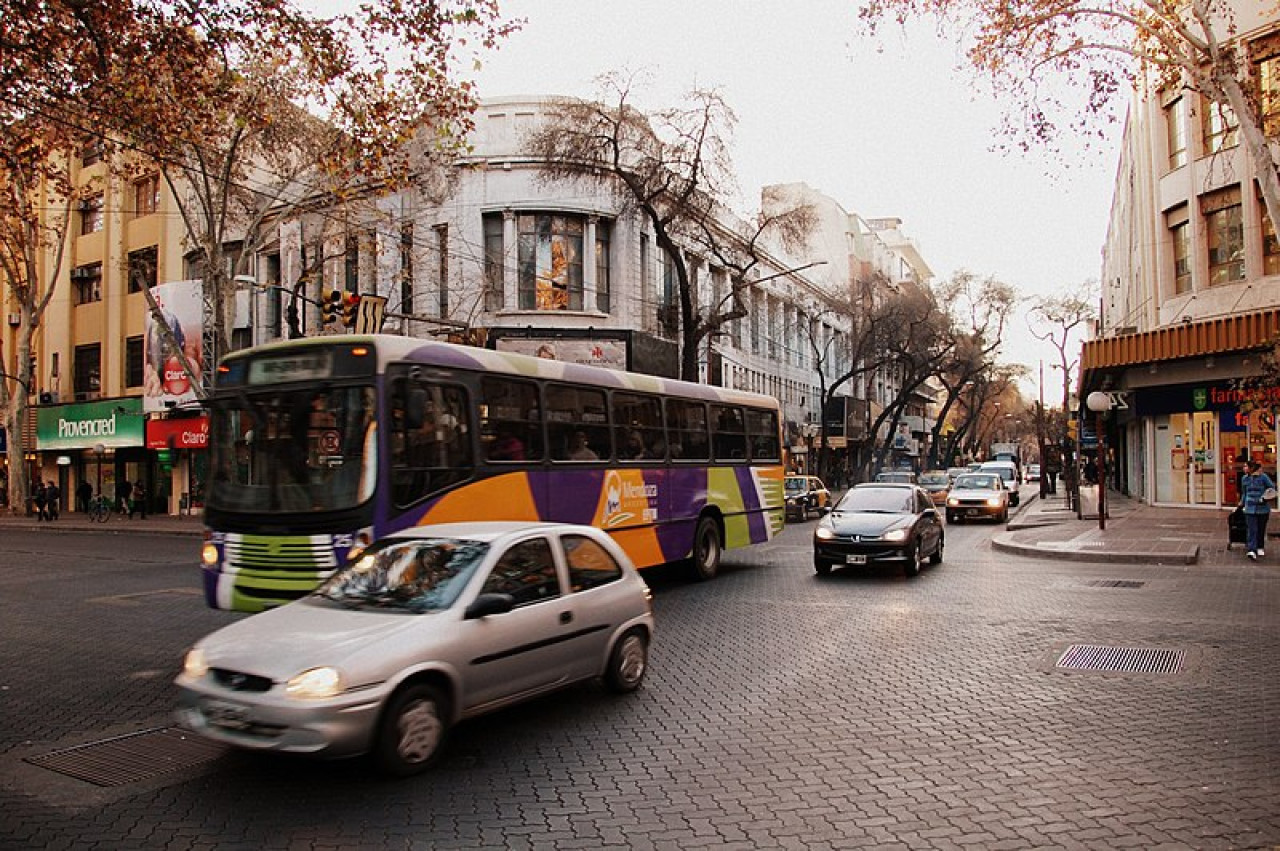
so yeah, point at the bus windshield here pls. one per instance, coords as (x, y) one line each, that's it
(293, 449)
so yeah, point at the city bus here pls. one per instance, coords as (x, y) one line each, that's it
(320, 446)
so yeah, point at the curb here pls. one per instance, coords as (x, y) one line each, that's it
(1004, 542)
(104, 528)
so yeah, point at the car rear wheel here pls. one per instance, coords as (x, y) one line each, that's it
(706, 549)
(413, 730)
(913, 560)
(627, 663)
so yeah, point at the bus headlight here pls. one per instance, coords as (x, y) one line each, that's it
(209, 555)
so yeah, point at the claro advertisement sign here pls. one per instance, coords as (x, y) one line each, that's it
(115, 423)
(189, 433)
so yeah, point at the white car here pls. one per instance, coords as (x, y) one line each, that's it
(427, 627)
(1008, 471)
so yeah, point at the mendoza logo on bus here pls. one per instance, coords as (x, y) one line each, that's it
(626, 500)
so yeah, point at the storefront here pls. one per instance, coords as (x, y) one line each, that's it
(180, 446)
(1201, 436)
(103, 440)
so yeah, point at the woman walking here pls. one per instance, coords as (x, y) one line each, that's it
(1256, 488)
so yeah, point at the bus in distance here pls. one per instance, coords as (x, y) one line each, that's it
(320, 446)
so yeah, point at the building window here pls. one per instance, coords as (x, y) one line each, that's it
(86, 283)
(146, 195)
(442, 267)
(494, 273)
(1270, 245)
(406, 268)
(91, 153)
(87, 380)
(1267, 68)
(1224, 226)
(351, 265)
(1219, 125)
(603, 296)
(1177, 136)
(142, 269)
(91, 214)
(550, 249)
(133, 361)
(668, 312)
(271, 271)
(646, 276)
(1180, 236)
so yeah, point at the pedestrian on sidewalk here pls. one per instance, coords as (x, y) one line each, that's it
(1256, 488)
(139, 503)
(53, 500)
(124, 491)
(84, 495)
(38, 496)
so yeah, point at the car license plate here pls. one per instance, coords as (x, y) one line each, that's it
(231, 716)
(974, 512)
(855, 559)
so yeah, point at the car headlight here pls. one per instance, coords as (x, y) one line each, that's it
(824, 533)
(195, 665)
(315, 683)
(895, 535)
(952, 501)
(993, 501)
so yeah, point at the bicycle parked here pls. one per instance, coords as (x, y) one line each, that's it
(100, 509)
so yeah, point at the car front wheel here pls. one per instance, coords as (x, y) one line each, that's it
(913, 560)
(627, 663)
(821, 566)
(413, 730)
(936, 558)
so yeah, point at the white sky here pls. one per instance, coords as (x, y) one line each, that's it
(890, 129)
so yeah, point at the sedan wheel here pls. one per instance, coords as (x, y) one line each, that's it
(821, 566)
(913, 560)
(627, 663)
(413, 730)
(936, 558)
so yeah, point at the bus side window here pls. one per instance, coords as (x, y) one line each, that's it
(577, 423)
(429, 439)
(762, 428)
(687, 429)
(730, 441)
(511, 424)
(638, 429)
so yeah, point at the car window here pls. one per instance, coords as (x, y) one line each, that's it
(590, 565)
(794, 484)
(816, 484)
(527, 572)
(873, 499)
(420, 575)
(934, 479)
(978, 482)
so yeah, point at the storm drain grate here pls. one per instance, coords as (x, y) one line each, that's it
(1116, 583)
(130, 758)
(1092, 657)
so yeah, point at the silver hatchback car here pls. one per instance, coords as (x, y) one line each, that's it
(425, 628)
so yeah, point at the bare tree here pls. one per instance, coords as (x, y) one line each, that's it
(673, 168)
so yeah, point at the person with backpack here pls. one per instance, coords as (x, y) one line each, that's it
(1256, 490)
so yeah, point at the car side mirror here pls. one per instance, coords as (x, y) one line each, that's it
(490, 604)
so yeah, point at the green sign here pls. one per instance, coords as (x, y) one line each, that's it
(1200, 398)
(114, 423)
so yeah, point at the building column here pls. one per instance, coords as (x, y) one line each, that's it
(511, 261)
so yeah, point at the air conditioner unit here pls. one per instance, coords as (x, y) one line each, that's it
(15, 319)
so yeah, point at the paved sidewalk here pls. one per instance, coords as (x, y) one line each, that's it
(155, 524)
(1135, 532)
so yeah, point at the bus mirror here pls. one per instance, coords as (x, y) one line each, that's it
(415, 413)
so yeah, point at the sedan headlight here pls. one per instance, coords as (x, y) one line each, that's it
(994, 501)
(315, 683)
(195, 665)
(824, 533)
(952, 501)
(895, 534)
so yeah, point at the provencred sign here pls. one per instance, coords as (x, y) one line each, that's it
(115, 423)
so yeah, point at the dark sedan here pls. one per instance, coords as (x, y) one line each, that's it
(880, 522)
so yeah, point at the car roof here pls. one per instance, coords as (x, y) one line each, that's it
(990, 464)
(488, 531)
(903, 485)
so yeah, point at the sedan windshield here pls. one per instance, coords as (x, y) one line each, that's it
(978, 483)
(301, 449)
(878, 500)
(934, 479)
(421, 575)
(795, 485)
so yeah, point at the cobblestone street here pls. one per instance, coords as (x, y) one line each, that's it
(782, 711)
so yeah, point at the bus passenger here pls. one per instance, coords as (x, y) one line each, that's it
(579, 450)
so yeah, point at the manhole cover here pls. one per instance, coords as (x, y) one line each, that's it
(130, 758)
(1092, 657)
(1115, 583)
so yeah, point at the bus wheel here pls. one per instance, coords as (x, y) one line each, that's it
(413, 730)
(706, 549)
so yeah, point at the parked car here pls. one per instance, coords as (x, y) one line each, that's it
(1033, 472)
(978, 495)
(427, 627)
(936, 483)
(879, 522)
(1007, 471)
(905, 477)
(805, 494)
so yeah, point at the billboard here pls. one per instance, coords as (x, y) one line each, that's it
(164, 382)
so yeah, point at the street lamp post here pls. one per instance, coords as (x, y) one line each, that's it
(98, 450)
(1100, 403)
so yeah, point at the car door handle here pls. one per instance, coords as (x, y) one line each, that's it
(566, 617)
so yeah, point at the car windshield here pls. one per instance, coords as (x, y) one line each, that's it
(303, 449)
(972, 482)
(1005, 473)
(934, 479)
(904, 478)
(419, 575)
(795, 484)
(878, 500)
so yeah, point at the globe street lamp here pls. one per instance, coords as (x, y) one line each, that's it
(1100, 403)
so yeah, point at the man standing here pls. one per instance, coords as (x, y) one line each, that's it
(139, 502)
(1256, 488)
(84, 495)
(53, 500)
(124, 491)
(38, 496)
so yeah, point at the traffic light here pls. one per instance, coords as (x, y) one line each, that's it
(330, 307)
(350, 308)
